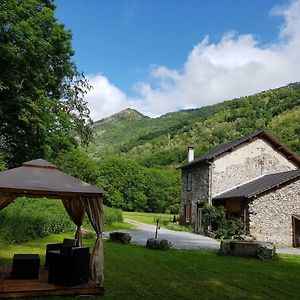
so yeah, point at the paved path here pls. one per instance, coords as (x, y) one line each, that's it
(295, 251)
(178, 239)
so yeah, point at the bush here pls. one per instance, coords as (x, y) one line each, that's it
(112, 215)
(27, 219)
(229, 229)
(215, 217)
(158, 244)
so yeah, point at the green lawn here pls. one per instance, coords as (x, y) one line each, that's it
(134, 272)
(165, 220)
(116, 226)
(148, 218)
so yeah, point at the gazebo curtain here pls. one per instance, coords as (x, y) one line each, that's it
(6, 199)
(75, 210)
(93, 208)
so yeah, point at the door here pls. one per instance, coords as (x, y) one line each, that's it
(296, 230)
(199, 218)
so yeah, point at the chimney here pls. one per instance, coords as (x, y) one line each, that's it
(190, 154)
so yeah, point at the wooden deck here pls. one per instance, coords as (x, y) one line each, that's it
(14, 288)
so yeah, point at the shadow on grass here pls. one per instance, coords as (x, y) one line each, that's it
(134, 272)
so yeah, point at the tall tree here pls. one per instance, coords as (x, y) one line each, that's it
(42, 107)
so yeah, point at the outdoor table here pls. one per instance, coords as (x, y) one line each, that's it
(26, 266)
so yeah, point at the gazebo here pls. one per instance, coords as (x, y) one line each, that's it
(40, 178)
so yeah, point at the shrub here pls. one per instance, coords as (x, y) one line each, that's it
(229, 229)
(215, 217)
(27, 219)
(112, 215)
(158, 244)
(88, 234)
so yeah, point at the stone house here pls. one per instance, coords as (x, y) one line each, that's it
(256, 178)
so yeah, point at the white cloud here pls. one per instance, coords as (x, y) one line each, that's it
(104, 98)
(237, 65)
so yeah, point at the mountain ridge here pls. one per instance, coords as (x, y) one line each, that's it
(162, 141)
(127, 113)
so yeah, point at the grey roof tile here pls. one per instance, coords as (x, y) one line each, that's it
(42, 176)
(232, 144)
(259, 185)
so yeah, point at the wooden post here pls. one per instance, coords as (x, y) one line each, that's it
(157, 227)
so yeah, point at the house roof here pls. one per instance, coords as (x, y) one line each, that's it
(259, 185)
(42, 177)
(210, 156)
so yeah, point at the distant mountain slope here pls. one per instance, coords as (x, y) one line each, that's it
(114, 131)
(162, 141)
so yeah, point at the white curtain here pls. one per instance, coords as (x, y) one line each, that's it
(94, 210)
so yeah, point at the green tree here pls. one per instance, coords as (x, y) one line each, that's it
(131, 186)
(77, 163)
(2, 165)
(123, 179)
(162, 191)
(41, 91)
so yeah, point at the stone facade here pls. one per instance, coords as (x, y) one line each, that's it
(246, 162)
(270, 215)
(197, 194)
(267, 217)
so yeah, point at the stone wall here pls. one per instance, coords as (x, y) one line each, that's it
(246, 162)
(270, 215)
(199, 192)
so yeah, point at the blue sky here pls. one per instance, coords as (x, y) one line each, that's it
(163, 55)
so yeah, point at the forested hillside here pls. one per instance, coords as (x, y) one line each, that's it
(137, 156)
(163, 141)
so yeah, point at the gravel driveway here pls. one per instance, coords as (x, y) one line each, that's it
(179, 239)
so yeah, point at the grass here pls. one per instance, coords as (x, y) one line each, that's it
(134, 272)
(148, 218)
(118, 226)
(177, 227)
(165, 220)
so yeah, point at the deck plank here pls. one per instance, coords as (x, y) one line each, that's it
(14, 288)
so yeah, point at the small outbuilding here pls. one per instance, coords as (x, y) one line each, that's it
(39, 179)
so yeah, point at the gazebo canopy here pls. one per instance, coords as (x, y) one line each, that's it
(40, 178)
(43, 178)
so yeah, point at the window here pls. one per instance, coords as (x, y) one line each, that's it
(188, 212)
(189, 181)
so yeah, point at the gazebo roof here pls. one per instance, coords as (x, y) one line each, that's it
(40, 177)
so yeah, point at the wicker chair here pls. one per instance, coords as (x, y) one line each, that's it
(69, 268)
(65, 246)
